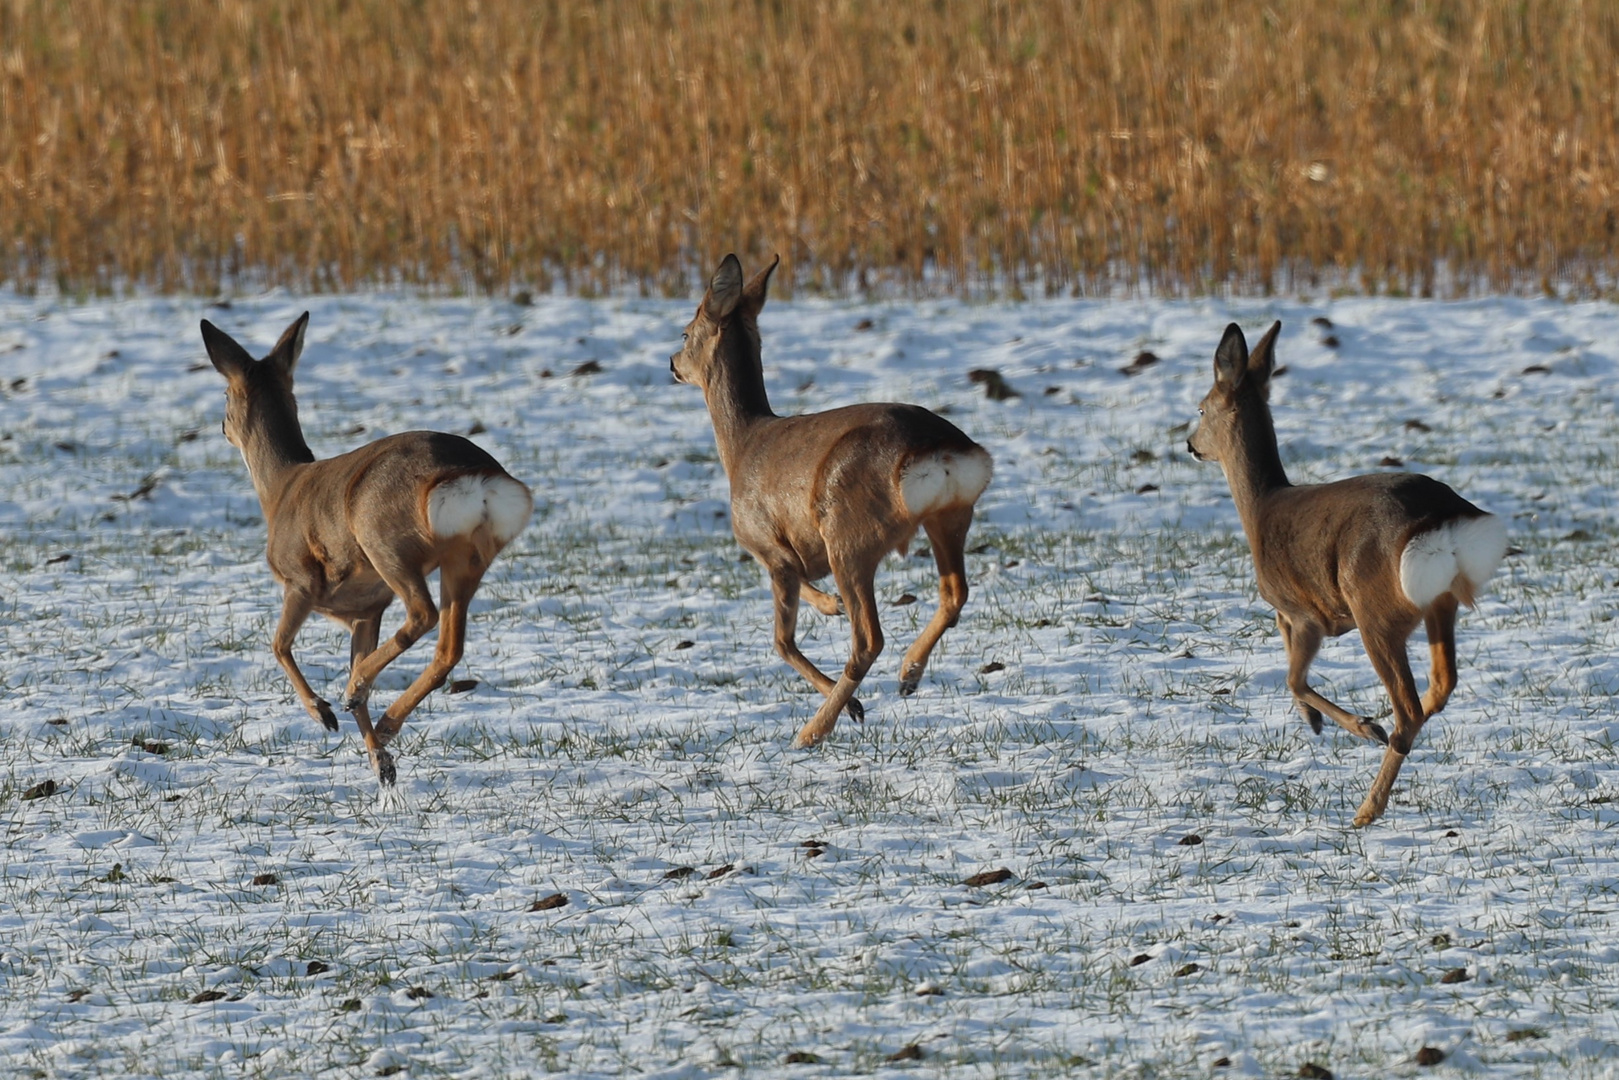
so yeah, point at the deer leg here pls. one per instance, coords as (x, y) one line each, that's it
(295, 609)
(460, 574)
(948, 534)
(1303, 641)
(362, 643)
(420, 617)
(1387, 651)
(825, 603)
(1441, 627)
(787, 588)
(866, 643)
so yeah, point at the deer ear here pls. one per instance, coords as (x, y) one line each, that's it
(229, 358)
(291, 346)
(1231, 358)
(758, 287)
(1262, 361)
(725, 290)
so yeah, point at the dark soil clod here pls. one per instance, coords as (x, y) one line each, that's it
(42, 790)
(1143, 360)
(996, 388)
(988, 877)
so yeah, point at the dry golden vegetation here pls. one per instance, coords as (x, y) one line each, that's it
(960, 145)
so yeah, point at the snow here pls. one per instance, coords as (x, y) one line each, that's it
(215, 888)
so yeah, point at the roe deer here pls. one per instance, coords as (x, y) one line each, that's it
(829, 492)
(1381, 553)
(348, 534)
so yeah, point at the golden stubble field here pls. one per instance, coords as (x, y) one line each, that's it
(965, 147)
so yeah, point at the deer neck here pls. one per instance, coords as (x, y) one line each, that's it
(273, 449)
(1254, 466)
(735, 393)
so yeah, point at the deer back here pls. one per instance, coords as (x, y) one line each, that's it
(408, 494)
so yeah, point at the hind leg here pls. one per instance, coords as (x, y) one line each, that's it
(410, 585)
(362, 643)
(948, 533)
(1385, 645)
(1440, 623)
(460, 574)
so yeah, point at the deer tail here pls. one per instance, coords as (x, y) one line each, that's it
(1457, 557)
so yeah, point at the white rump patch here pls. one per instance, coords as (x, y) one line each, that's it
(1470, 548)
(944, 478)
(457, 507)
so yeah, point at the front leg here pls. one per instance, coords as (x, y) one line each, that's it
(295, 609)
(1303, 641)
(786, 588)
(825, 603)
(866, 643)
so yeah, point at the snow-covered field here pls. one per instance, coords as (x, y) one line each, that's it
(214, 888)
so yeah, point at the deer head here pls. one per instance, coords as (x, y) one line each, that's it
(258, 393)
(726, 320)
(1241, 387)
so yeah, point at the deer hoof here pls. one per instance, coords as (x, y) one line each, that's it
(857, 711)
(1364, 817)
(1314, 717)
(1376, 731)
(909, 683)
(387, 775)
(323, 711)
(807, 739)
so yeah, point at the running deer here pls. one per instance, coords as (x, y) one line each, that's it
(831, 492)
(1381, 553)
(348, 534)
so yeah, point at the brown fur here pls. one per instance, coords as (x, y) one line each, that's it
(1327, 556)
(348, 534)
(820, 493)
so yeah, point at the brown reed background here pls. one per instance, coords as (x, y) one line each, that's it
(937, 145)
